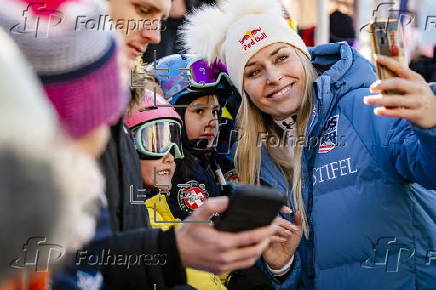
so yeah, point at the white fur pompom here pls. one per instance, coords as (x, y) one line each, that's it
(205, 29)
(199, 37)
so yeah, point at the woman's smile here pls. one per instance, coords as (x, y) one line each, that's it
(278, 94)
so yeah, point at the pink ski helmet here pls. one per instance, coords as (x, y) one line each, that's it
(151, 108)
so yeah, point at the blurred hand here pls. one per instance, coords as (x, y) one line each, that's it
(204, 248)
(417, 103)
(284, 243)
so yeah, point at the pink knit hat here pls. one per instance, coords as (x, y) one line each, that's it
(77, 67)
(153, 107)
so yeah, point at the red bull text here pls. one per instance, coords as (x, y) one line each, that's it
(252, 37)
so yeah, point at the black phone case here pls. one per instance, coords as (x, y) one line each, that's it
(250, 207)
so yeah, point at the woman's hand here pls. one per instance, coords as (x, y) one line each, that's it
(417, 103)
(284, 243)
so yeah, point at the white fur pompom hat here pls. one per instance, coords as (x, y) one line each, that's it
(240, 29)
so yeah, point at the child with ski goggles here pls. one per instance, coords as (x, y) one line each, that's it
(198, 91)
(186, 80)
(157, 138)
(156, 130)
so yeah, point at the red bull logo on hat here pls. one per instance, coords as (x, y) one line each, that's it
(251, 37)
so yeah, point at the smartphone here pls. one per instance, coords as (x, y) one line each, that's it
(250, 207)
(387, 39)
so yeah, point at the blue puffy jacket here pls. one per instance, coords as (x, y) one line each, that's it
(367, 185)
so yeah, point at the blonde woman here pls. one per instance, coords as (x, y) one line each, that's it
(359, 179)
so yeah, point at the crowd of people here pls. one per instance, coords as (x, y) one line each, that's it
(113, 169)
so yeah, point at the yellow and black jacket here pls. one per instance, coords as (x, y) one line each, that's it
(163, 218)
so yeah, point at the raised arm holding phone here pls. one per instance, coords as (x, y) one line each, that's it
(417, 103)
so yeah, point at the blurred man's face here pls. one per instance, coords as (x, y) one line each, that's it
(142, 23)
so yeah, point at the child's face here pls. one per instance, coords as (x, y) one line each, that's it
(202, 122)
(165, 168)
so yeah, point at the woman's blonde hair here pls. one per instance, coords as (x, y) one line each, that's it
(251, 122)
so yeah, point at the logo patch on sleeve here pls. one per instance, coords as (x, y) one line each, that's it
(329, 136)
(191, 195)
